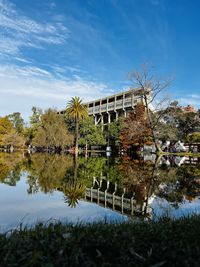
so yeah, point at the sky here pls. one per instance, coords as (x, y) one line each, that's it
(52, 50)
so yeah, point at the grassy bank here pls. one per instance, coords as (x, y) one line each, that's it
(163, 243)
(180, 154)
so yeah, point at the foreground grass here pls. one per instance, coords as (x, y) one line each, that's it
(163, 243)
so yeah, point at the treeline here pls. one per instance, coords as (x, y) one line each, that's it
(49, 130)
(45, 129)
(170, 124)
(74, 129)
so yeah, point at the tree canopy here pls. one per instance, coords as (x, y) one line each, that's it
(136, 131)
(8, 134)
(52, 131)
(91, 134)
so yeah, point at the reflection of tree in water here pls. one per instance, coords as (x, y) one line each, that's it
(138, 175)
(10, 167)
(144, 179)
(167, 182)
(48, 172)
(182, 183)
(84, 169)
(73, 192)
(90, 167)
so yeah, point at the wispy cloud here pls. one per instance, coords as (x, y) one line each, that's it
(192, 99)
(18, 31)
(52, 5)
(37, 83)
(31, 82)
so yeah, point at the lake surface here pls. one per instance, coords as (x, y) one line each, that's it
(46, 187)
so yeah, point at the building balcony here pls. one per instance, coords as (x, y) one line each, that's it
(116, 105)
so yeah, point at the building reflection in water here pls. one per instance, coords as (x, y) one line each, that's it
(125, 185)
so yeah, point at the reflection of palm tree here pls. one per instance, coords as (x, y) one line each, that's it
(77, 111)
(73, 192)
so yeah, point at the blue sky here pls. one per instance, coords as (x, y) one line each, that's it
(53, 50)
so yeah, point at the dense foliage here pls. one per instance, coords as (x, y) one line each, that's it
(52, 131)
(90, 133)
(9, 135)
(174, 124)
(136, 131)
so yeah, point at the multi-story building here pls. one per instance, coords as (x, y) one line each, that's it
(110, 108)
(189, 109)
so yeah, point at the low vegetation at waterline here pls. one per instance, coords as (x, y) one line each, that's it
(166, 242)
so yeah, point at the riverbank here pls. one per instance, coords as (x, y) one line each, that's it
(180, 154)
(166, 242)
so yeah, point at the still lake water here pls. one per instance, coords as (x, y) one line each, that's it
(42, 187)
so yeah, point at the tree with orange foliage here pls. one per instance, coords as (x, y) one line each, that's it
(136, 131)
(151, 89)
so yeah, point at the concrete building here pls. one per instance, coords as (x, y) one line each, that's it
(110, 108)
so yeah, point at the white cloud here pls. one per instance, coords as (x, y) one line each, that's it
(33, 85)
(194, 96)
(193, 100)
(18, 31)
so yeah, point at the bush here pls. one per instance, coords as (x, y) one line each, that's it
(193, 138)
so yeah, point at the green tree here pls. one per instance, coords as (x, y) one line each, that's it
(8, 135)
(52, 131)
(36, 116)
(114, 130)
(17, 121)
(193, 137)
(167, 131)
(188, 123)
(77, 111)
(5, 128)
(35, 122)
(91, 134)
(13, 139)
(183, 123)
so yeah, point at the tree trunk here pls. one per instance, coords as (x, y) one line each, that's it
(86, 148)
(157, 146)
(76, 136)
(75, 159)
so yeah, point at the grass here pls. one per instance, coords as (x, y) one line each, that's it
(166, 242)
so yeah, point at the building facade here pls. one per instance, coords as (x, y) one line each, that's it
(110, 108)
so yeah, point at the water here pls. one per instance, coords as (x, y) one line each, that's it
(43, 187)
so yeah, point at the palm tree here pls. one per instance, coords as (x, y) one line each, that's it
(77, 111)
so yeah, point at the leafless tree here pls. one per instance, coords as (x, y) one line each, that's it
(151, 88)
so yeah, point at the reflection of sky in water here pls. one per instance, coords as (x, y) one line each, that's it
(161, 207)
(17, 206)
